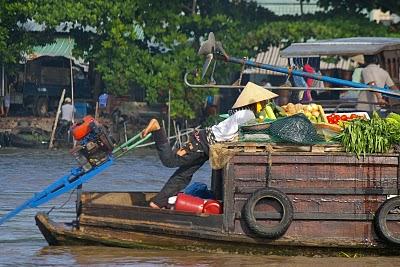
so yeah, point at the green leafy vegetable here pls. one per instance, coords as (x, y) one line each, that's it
(369, 136)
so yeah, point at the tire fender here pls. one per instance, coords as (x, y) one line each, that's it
(275, 231)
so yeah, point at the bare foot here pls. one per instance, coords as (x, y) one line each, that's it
(154, 205)
(151, 127)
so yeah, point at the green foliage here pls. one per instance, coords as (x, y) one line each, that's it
(13, 39)
(153, 43)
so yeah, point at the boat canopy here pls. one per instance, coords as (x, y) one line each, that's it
(342, 46)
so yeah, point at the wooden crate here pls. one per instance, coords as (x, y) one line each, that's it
(252, 147)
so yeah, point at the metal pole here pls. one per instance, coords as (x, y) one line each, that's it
(169, 113)
(310, 75)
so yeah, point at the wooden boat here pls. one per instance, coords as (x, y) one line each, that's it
(28, 137)
(303, 199)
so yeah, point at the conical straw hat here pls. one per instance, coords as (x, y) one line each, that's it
(253, 93)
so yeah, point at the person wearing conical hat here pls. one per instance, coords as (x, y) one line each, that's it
(195, 152)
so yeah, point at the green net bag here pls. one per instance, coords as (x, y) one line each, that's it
(296, 129)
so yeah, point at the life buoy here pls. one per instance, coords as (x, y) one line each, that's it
(268, 231)
(381, 217)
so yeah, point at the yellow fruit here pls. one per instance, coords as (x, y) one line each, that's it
(291, 111)
(321, 111)
(270, 112)
(313, 119)
(314, 107)
(315, 113)
(298, 107)
(259, 107)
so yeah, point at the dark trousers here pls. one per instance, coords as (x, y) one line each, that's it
(196, 154)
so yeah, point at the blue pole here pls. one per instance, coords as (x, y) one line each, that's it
(315, 76)
(64, 184)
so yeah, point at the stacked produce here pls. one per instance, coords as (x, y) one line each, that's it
(371, 136)
(313, 112)
(354, 131)
(337, 118)
(271, 111)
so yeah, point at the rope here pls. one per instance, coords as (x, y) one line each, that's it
(62, 205)
(268, 171)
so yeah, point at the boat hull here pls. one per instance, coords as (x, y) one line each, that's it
(330, 198)
(62, 235)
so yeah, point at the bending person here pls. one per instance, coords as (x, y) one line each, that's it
(195, 152)
(373, 75)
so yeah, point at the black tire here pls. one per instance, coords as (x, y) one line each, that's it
(264, 231)
(42, 107)
(380, 220)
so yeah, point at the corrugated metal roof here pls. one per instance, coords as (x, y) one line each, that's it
(61, 47)
(342, 46)
(272, 57)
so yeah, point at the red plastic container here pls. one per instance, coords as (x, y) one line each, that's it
(189, 203)
(212, 207)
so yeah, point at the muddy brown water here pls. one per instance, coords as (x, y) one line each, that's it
(24, 172)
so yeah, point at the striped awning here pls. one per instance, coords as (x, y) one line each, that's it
(272, 57)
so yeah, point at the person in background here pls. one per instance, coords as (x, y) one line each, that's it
(373, 75)
(359, 60)
(1, 106)
(67, 110)
(103, 100)
(196, 151)
(7, 103)
(355, 77)
(67, 114)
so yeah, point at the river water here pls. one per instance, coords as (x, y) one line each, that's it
(24, 172)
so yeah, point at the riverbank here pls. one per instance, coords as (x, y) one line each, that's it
(32, 132)
(44, 123)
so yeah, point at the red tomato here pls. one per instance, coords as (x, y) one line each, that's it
(330, 119)
(336, 118)
(343, 118)
(353, 116)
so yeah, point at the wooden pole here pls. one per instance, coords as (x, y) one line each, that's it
(187, 134)
(96, 112)
(56, 120)
(2, 80)
(72, 91)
